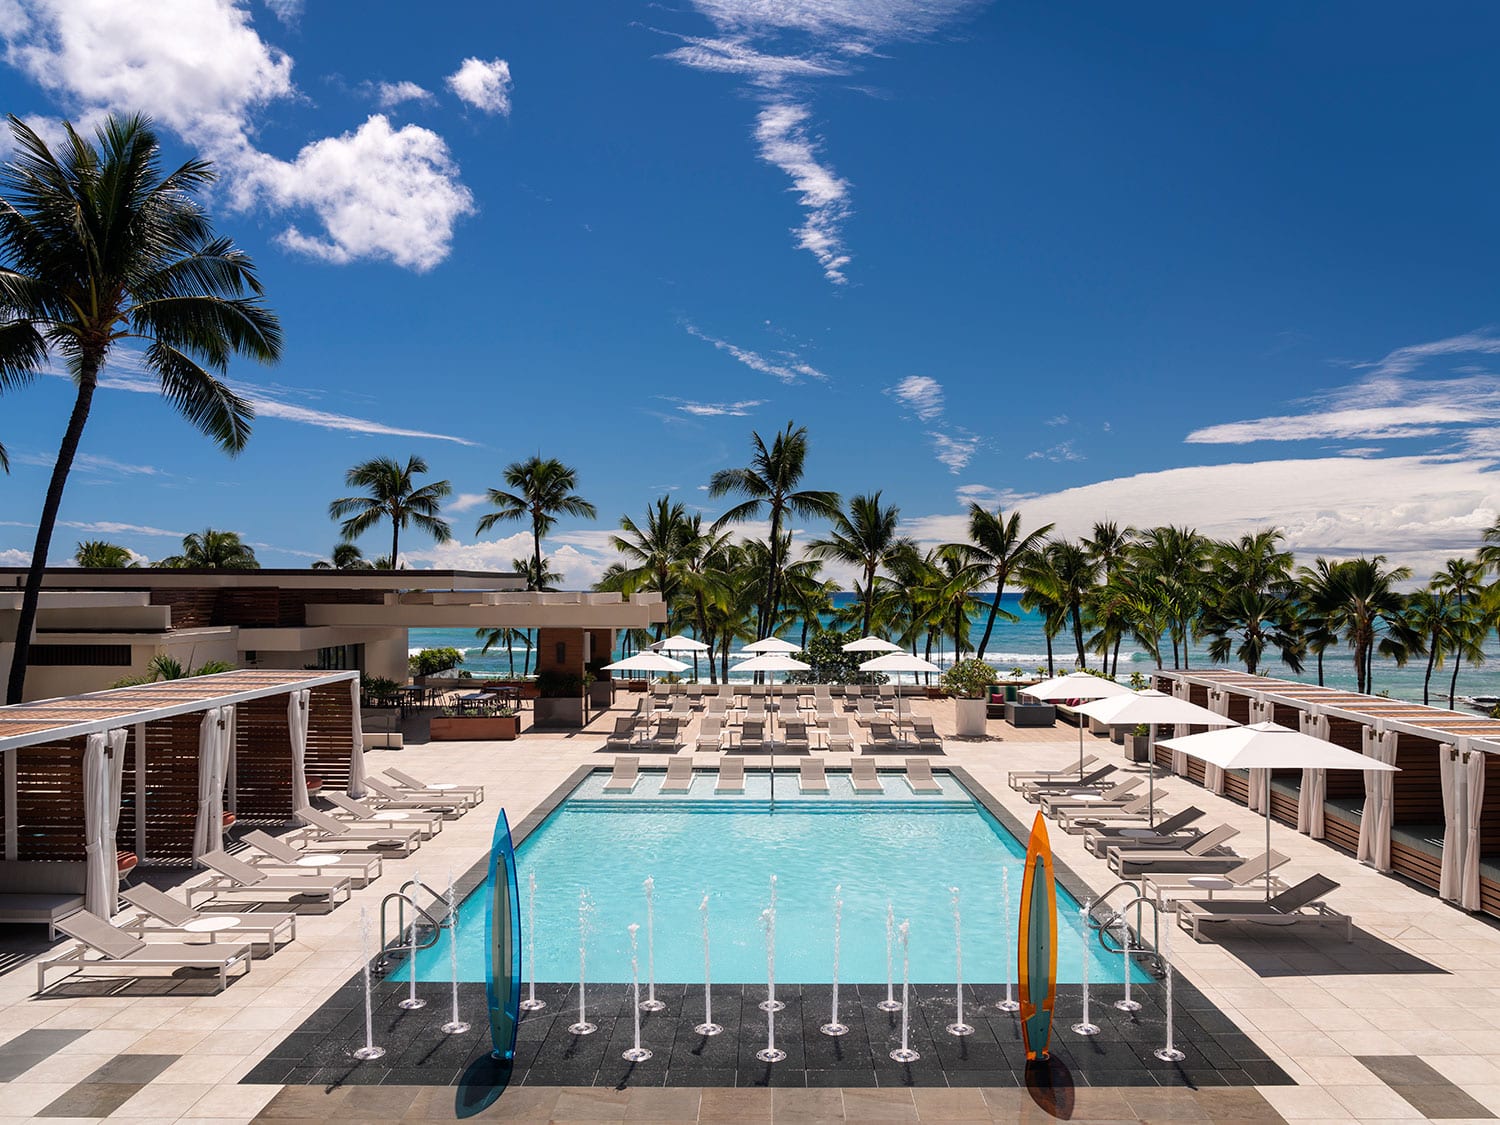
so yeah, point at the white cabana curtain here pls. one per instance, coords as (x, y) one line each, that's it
(1213, 776)
(1474, 774)
(1455, 811)
(357, 751)
(1375, 821)
(1259, 796)
(1179, 760)
(1314, 782)
(296, 722)
(99, 886)
(208, 832)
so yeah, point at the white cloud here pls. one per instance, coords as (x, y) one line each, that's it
(717, 409)
(836, 19)
(391, 94)
(113, 527)
(736, 56)
(287, 11)
(920, 394)
(780, 131)
(14, 556)
(466, 502)
(580, 567)
(1407, 359)
(1062, 420)
(791, 368)
(988, 497)
(90, 463)
(1062, 451)
(955, 450)
(485, 85)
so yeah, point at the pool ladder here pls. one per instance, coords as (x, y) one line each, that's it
(1110, 923)
(403, 897)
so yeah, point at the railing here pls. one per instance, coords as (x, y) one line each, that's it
(404, 898)
(1111, 924)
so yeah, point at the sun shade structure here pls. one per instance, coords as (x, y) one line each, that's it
(1076, 685)
(646, 662)
(871, 644)
(898, 662)
(152, 769)
(680, 643)
(772, 645)
(1269, 746)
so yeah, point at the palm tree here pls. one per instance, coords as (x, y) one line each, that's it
(1043, 592)
(1110, 546)
(392, 493)
(345, 556)
(542, 490)
(96, 554)
(544, 579)
(770, 487)
(97, 246)
(1464, 580)
(865, 537)
(656, 553)
(212, 550)
(507, 637)
(1248, 597)
(1433, 616)
(996, 543)
(1360, 600)
(1174, 562)
(1076, 572)
(1489, 554)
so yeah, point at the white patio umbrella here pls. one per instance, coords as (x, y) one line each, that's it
(772, 662)
(871, 644)
(772, 645)
(650, 662)
(898, 662)
(682, 643)
(1269, 746)
(1075, 685)
(1153, 708)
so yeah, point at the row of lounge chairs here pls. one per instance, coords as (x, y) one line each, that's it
(812, 776)
(1183, 866)
(634, 732)
(322, 860)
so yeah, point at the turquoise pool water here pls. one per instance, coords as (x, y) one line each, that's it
(899, 847)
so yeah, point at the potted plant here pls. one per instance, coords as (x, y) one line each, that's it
(969, 682)
(494, 724)
(559, 699)
(433, 662)
(1138, 747)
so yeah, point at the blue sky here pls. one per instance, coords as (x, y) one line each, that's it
(1188, 264)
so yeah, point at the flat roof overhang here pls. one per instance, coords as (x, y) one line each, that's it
(153, 578)
(520, 611)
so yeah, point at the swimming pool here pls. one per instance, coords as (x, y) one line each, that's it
(897, 847)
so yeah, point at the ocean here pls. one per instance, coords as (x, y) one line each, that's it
(1023, 644)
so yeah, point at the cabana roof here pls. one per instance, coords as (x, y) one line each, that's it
(51, 720)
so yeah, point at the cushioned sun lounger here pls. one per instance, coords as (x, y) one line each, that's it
(120, 950)
(1203, 855)
(1168, 887)
(324, 833)
(1172, 832)
(1075, 819)
(623, 777)
(731, 777)
(679, 777)
(811, 777)
(1090, 783)
(172, 916)
(277, 854)
(1017, 778)
(919, 776)
(234, 876)
(428, 823)
(1114, 796)
(406, 781)
(1296, 906)
(865, 777)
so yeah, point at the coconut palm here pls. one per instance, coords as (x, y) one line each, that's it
(98, 246)
(1174, 561)
(997, 545)
(1248, 598)
(864, 537)
(1076, 572)
(1043, 592)
(656, 553)
(345, 556)
(541, 490)
(392, 492)
(96, 554)
(212, 550)
(1361, 602)
(770, 487)
(1463, 580)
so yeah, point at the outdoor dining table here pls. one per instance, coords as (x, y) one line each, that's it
(474, 700)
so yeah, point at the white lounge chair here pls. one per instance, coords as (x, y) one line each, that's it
(278, 855)
(120, 950)
(731, 777)
(1206, 855)
(865, 777)
(176, 917)
(1250, 876)
(474, 792)
(427, 823)
(1174, 831)
(389, 797)
(1018, 778)
(679, 777)
(919, 776)
(811, 777)
(623, 777)
(324, 833)
(839, 738)
(233, 876)
(1075, 819)
(710, 733)
(1296, 906)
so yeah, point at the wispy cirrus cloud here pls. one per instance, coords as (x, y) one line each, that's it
(921, 394)
(91, 463)
(955, 448)
(740, 409)
(466, 502)
(388, 95)
(737, 56)
(789, 367)
(1062, 451)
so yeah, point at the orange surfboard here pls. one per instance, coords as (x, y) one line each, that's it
(1036, 953)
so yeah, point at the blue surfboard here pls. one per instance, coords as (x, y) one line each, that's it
(1036, 954)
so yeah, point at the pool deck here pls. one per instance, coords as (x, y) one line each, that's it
(1399, 1025)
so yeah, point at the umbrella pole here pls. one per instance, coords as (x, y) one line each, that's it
(1268, 839)
(1080, 746)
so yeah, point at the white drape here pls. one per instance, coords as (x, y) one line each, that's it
(296, 722)
(1375, 821)
(1213, 776)
(1455, 809)
(1259, 796)
(1179, 760)
(1475, 775)
(357, 751)
(1314, 782)
(208, 832)
(99, 886)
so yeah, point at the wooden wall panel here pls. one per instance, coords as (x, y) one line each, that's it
(49, 800)
(1418, 788)
(330, 736)
(263, 761)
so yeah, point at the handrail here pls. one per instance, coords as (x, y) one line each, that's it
(1104, 922)
(403, 899)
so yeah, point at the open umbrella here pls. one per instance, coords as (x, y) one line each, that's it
(682, 643)
(772, 662)
(647, 662)
(898, 662)
(871, 644)
(772, 644)
(1269, 746)
(1075, 685)
(1153, 708)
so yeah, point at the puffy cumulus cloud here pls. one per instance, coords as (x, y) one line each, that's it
(580, 566)
(378, 192)
(14, 556)
(781, 133)
(391, 94)
(920, 394)
(485, 85)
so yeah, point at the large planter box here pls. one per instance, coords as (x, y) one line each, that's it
(475, 728)
(970, 715)
(1030, 714)
(601, 694)
(559, 712)
(1138, 747)
(383, 740)
(1117, 735)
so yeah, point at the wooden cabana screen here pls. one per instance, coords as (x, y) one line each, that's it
(49, 801)
(262, 762)
(170, 790)
(330, 734)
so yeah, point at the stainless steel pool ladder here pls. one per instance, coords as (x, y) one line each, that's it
(403, 898)
(1110, 924)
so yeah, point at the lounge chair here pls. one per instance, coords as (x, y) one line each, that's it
(1074, 819)
(753, 734)
(795, 735)
(278, 854)
(919, 776)
(668, 733)
(717, 705)
(883, 736)
(679, 777)
(120, 950)
(811, 777)
(324, 833)
(172, 916)
(231, 875)
(731, 777)
(865, 777)
(1111, 798)
(1017, 778)
(475, 793)
(1247, 877)
(1090, 783)
(428, 823)
(710, 733)
(626, 773)
(839, 738)
(624, 733)
(1298, 905)
(1172, 832)
(927, 736)
(1204, 855)
(389, 797)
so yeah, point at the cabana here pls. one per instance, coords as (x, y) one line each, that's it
(152, 772)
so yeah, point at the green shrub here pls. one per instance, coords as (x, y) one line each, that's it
(968, 679)
(433, 661)
(831, 664)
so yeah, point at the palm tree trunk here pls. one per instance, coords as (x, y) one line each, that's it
(1453, 683)
(1051, 668)
(1083, 661)
(87, 381)
(536, 553)
(510, 651)
(1432, 652)
(989, 621)
(395, 542)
